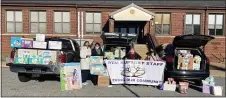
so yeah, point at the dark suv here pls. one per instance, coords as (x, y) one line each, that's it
(195, 44)
(70, 53)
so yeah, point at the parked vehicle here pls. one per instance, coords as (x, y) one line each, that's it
(195, 44)
(69, 53)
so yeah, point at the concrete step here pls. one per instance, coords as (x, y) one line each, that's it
(141, 49)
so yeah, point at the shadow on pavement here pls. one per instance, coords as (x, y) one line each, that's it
(43, 78)
(217, 68)
(131, 91)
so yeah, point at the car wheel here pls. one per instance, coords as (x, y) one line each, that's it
(23, 77)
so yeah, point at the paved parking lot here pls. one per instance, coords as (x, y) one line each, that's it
(51, 87)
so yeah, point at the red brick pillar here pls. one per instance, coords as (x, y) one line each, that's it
(177, 23)
(3, 14)
(26, 24)
(152, 27)
(111, 25)
(146, 27)
(73, 21)
(50, 21)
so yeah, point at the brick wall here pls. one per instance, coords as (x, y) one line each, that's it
(177, 23)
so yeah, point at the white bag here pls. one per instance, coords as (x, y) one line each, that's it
(55, 45)
(169, 87)
(217, 90)
(40, 45)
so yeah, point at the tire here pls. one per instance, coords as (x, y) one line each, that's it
(23, 77)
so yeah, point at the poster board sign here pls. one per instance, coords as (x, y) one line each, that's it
(40, 37)
(136, 71)
(96, 65)
(70, 76)
(55, 45)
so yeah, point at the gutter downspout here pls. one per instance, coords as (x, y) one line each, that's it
(78, 30)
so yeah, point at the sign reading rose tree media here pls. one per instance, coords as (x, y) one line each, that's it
(136, 71)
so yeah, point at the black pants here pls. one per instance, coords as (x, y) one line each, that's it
(85, 75)
(94, 79)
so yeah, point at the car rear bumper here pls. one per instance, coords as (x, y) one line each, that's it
(33, 68)
(188, 75)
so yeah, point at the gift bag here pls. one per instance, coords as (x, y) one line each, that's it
(183, 87)
(169, 87)
(206, 88)
(217, 90)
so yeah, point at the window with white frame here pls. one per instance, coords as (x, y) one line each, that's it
(215, 26)
(162, 24)
(192, 24)
(38, 22)
(14, 22)
(93, 22)
(61, 22)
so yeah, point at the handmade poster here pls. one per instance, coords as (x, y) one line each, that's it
(15, 42)
(49, 56)
(96, 60)
(40, 37)
(70, 76)
(136, 71)
(26, 53)
(27, 43)
(55, 45)
(40, 45)
(96, 65)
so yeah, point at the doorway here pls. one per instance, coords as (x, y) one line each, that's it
(131, 27)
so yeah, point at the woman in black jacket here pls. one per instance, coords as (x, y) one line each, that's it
(97, 51)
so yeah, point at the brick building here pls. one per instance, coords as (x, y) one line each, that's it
(87, 19)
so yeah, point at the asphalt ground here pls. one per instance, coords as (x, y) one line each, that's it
(50, 86)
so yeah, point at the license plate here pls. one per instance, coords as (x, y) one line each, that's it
(37, 69)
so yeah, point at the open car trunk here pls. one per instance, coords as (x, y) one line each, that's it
(191, 59)
(117, 44)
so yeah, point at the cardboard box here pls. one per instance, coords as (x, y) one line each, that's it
(16, 42)
(27, 43)
(55, 45)
(49, 56)
(40, 45)
(40, 37)
(190, 64)
(180, 62)
(103, 81)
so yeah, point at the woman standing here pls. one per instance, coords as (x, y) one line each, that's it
(85, 53)
(96, 51)
(132, 55)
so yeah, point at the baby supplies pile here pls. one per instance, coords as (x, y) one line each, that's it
(35, 52)
(209, 87)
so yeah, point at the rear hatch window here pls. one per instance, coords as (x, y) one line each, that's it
(188, 59)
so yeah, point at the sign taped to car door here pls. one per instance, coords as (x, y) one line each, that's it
(136, 71)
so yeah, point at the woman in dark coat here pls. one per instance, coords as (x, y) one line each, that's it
(132, 55)
(97, 51)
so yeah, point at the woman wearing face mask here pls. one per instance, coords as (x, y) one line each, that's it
(97, 51)
(132, 55)
(85, 53)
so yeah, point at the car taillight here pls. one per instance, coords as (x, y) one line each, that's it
(12, 55)
(62, 58)
(169, 59)
(207, 61)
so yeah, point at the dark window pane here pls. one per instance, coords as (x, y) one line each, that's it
(132, 30)
(188, 29)
(158, 29)
(123, 30)
(166, 29)
(197, 29)
(211, 32)
(116, 29)
(219, 31)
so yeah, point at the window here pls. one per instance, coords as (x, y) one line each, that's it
(93, 23)
(38, 21)
(192, 24)
(14, 22)
(162, 24)
(215, 24)
(62, 22)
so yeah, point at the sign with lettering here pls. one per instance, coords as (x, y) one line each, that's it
(136, 71)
